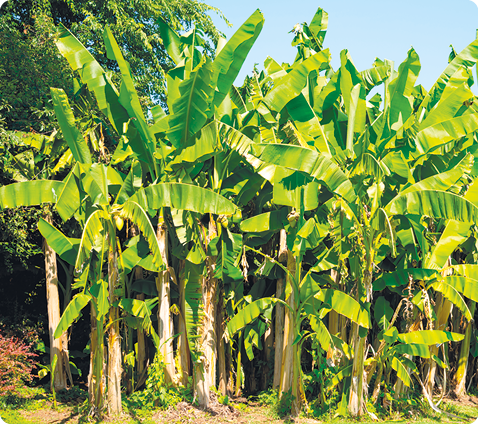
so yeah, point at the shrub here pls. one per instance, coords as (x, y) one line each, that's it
(16, 365)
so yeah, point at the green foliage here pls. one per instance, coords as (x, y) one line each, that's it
(29, 66)
(156, 392)
(19, 242)
(135, 25)
(278, 407)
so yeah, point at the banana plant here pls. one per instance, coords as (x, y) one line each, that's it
(29, 164)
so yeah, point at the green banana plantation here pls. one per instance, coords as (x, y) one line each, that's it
(313, 231)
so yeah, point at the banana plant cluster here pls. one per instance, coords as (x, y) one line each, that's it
(303, 199)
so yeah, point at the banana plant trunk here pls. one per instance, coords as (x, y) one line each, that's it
(291, 378)
(221, 345)
(355, 406)
(184, 356)
(266, 356)
(96, 381)
(114, 370)
(443, 311)
(279, 314)
(279, 335)
(333, 324)
(460, 376)
(59, 346)
(208, 331)
(165, 322)
(141, 334)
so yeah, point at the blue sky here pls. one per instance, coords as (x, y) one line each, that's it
(367, 28)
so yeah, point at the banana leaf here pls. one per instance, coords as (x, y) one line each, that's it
(77, 144)
(185, 197)
(430, 337)
(435, 204)
(65, 247)
(71, 313)
(30, 193)
(311, 163)
(189, 110)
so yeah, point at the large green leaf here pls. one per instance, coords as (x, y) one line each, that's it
(448, 107)
(454, 234)
(131, 184)
(411, 349)
(467, 270)
(70, 196)
(321, 331)
(402, 372)
(95, 183)
(138, 308)
(138, 216)
(308, 124)
(92, 74)
(171, 40)
(467, 286)
(444, 180)
(249, 313)
(445, 131)
(71, 313)
(401, 277)
(290, 86)
(228, 254)
(189, 110)
(92, 238)
(375, 76)
(345, 305)
(229, 61)
(311, 163)
(65, 247)
(453, 295)
(183, 196)
(467, 57)
(77, 144)
(30, 193)
(398, 102)
(99, 291)
(430, 337)
(206, 145)
(268, 221)
(129, 98)
(436, 204)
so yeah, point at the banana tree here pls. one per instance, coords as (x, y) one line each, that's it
(59, 155)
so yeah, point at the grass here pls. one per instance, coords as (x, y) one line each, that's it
(34, 406)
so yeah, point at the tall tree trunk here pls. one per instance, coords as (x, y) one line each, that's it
(460, 376)
(165, 322)
(333, 324)
(279, 335)
(96, 382)
(443, 311)
(59, 346)
(184, 357)
(291, 379)
(266, 357)
(221, 345)
(356, 387)
(239, 376)
(114, 370)
(279, 314)
(208, 336)
(140, 333)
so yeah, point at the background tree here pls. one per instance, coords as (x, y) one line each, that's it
(134, 24)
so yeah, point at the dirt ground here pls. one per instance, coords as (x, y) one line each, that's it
(240, 412)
